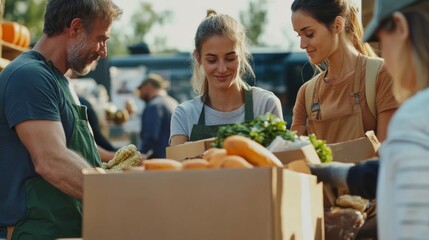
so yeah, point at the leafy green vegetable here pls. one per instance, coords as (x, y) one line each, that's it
(263, 129)
(324, 152)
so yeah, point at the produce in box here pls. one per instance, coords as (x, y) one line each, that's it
(264, 128)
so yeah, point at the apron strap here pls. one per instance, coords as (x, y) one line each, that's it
(9, 232)
(83, 133)
(202, 118)
(315, 101)
(248, 105)
(356, 83)
(63, 84)
(248, 109)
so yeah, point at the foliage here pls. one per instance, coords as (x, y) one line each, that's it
(324, 152)
(255, 19)
(264, 129)
(27, 12)
(31, 14)
(116, 44)
(145, 19)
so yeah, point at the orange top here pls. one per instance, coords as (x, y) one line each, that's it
(334, 96)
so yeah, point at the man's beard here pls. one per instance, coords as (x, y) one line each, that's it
(77, 58)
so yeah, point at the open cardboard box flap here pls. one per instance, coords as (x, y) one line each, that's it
(356, 150)
(297, 159)
(259, 203)
(187, 150)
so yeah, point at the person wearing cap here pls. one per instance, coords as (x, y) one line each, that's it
(156, 116)
(400, 27)
(221, 62)
(334, 104)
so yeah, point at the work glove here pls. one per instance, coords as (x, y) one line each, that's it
(334, 173)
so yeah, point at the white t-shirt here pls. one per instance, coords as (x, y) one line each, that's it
(403, 182)
(188, 112)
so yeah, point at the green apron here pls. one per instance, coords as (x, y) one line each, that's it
(51, 213)
(201, 131)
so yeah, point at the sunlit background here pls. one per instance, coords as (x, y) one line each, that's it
(170, 25)
(178, 33)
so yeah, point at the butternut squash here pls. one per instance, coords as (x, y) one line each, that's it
(234, 161)
(253, 152)
(196, 163)
(24, 40)
(162, 164)
(215, 157)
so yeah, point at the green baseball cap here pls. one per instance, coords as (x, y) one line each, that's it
(382, 10)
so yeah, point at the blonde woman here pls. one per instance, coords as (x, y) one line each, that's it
(221, 61)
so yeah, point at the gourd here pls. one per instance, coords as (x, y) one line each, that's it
(24, 40)
(15, 33)
(11, 32)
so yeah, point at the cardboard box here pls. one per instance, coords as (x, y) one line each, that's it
(356, 150)
(189, 149)
(222, 204)
(307, 153)
(297, 159)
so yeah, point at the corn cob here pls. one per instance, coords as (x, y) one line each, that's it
(122, 154)
(103, 165)
(131, 161)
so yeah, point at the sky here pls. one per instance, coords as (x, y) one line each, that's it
(187, 14)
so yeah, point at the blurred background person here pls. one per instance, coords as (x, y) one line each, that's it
(333, 105)
(221, 61)
(156, 116)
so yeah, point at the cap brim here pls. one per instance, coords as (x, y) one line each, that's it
(371, 28)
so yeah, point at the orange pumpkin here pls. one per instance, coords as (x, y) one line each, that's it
(24, 40)
(11, 32)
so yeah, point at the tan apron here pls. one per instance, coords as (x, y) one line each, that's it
(343, 128)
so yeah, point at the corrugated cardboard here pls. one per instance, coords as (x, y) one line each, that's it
(222, 204)
(189, 149)
(297, 159)
(356, 150)
(307, 153)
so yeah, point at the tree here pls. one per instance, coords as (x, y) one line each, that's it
(145, 19)
(27, 12)
(31, 14)
(255, 19)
